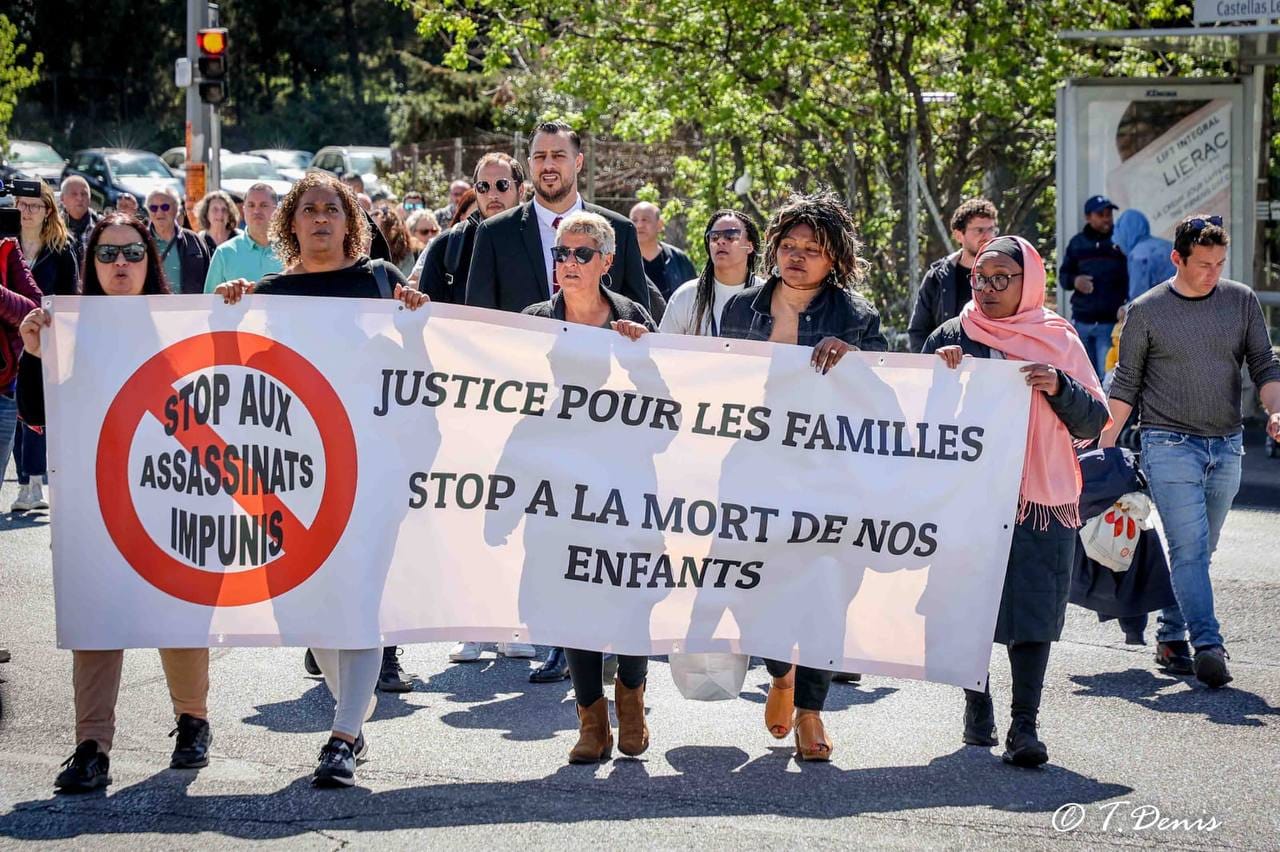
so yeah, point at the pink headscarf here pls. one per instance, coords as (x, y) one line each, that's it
(1050, 473)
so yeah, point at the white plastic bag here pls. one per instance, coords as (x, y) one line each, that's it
(1111, 538)
(709, 677)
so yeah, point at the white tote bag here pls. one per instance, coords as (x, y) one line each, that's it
(709, 677)
(1111, 538)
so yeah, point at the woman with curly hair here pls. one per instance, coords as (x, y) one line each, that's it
(393, 228)
(218, 217)
(318, 231)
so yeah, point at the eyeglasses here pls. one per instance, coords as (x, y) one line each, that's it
(133, 252)
(582, 254)
(1199, 224)
(998, 282)
(482, 186)
(156, 208)
(413, 205)
(30, 206)
(729, 235)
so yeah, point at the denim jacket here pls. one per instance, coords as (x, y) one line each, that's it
(834, 312)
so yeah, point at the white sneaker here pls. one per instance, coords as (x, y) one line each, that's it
(37, 496)
(517, 650)
(26, 500)
(466, 652)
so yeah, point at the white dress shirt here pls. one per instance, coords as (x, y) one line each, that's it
(548, 235)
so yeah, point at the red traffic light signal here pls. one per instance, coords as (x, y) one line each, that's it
(212, 43)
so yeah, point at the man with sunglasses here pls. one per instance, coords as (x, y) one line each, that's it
(511, 263)
(184, 256)
(1097, 274)
(1184, 344)
(944, 290)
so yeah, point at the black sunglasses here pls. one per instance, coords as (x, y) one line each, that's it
(1199, 224)
(729, 235)
(133, 252)
(166, 207)
(582, 254)
(482, 186)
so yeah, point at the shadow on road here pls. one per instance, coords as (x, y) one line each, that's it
(1145, 688)
(312, 711)
(713, 781)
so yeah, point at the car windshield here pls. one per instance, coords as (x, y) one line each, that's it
(250, 170)
(289, 159)
(33, 154)
(363, 161)
(138, 165)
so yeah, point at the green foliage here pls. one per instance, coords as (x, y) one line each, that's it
(15, 75)
(429, 178)
(782, 90)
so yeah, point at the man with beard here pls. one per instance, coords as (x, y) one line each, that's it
(441, 271)
(1095, 269)
(511, 265)
(945, 288)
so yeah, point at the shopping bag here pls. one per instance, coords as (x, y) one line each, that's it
(709, 677)
(1111, 538)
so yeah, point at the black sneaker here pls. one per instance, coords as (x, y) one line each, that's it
(391, 678)
(1211, 666)
(87, 769)
(4, 655)
(360, 750)
(979, 719)
(191, 751)
(1174, 657)
(337, 765)
(309, 663)
(846, 677)
(1022, 747)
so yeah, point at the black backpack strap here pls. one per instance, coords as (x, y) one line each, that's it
(380, 275)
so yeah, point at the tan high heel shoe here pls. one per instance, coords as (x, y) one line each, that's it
(595, 739)
(780, 707)
(633, 730)
(812, 742)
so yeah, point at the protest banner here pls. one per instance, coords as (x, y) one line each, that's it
(339, 473)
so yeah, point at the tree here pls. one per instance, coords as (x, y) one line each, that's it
(14, 75)
(794, 92)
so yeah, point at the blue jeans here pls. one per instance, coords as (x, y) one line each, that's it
(8, 428)
(1096, 337)
(1193, 481)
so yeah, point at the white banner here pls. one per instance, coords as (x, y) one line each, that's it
(339, 473)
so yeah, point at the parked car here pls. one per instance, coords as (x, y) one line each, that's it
(241, 171)
(290, 163)
(176, 159)
(112, 172)
(359, 159)
(32, 160)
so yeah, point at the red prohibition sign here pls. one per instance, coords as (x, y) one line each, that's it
(305, 548)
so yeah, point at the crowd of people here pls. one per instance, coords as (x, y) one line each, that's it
(520, 237)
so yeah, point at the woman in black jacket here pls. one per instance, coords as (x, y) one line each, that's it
(1007, 319)
(582, 255)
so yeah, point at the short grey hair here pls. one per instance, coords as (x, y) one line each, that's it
(73, 180)
(417, 216)
(169, 191)
(589, 224)
(264, 187)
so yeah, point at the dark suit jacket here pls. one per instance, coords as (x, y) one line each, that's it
(508, 271)
(193, 257)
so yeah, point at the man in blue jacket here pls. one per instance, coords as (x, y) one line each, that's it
(1096, 272)
(1148, 257)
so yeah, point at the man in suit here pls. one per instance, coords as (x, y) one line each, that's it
(511, 263)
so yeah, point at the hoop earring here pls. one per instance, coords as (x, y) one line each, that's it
(606, 280)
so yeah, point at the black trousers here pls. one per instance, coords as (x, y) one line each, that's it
(586, 668)
(812, 685)
(1027, 664)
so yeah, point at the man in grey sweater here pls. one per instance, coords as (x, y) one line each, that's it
(1181, 352)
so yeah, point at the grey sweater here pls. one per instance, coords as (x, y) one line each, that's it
(1180, 358)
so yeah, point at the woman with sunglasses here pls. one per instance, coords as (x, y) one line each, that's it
(732, 243)
(184, 256)
(1007, 319)
(47, 246)
(318, 231)
(121, 259)
(583, 254)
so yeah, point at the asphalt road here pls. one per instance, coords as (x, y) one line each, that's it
(475, 756)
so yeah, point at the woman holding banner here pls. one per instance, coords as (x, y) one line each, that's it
(809, 300)
(582, 256)
(1007, 319)
(121, 260)
(319, 230)
(732, 243)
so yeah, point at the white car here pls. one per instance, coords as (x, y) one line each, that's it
(241, 171)
(363, 160)
(291, 163)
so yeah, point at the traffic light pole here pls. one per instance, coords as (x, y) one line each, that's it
(198, 118)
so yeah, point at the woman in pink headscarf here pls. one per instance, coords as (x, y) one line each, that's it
(1007, 319)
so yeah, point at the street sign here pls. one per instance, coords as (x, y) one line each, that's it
(182, 73)
(1222, 11)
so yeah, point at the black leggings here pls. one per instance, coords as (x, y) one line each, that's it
(1027, 664)
(811, 684)
(586, 669)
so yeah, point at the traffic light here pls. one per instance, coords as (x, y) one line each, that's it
(212, 44)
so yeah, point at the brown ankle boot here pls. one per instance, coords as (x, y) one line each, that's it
(633, 730)
(595, 739)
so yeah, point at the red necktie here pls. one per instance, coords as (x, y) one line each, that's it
(555, 226)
